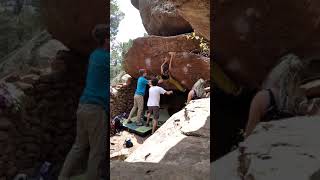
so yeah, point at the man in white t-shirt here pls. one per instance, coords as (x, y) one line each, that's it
(154, 102)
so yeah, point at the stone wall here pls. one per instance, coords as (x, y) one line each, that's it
(122, 98)
(44, 128)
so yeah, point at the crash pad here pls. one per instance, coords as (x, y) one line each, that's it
(145, 130)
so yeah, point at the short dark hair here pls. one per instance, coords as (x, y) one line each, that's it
(100, 32)
(141, 71)
(154, 81)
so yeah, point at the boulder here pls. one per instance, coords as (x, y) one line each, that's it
(72, 25)
(184, 139)
(197, 13)
(160, 17)
(253, 36)
(276, 150)
(150, 52)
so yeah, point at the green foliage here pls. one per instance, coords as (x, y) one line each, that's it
(118, 53)
(115, 17)
(203, 44)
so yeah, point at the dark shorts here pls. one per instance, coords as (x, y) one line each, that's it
(155, 111)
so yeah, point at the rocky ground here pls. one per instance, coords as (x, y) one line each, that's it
(278, 150)
(118, 151)
(181, 144)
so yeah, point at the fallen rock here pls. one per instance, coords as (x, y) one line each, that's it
(253, 36)
(183, 139)
(72, 25)
(197, 13)
(276, 150)
(30, 78)
(161, 18)
(150, 52)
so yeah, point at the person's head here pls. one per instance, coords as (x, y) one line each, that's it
(154, 82)
(101, 34)
(142, 72)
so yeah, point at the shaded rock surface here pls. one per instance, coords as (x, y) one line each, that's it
(278, 150)
(183, 140)
(197, 13)
(253, 36)
(72, 25)
(160, 17)
(36, 52)
(150, 52)
(43, 118)
(141, 171)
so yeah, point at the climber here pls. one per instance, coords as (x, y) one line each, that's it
(281, 96)
(138, 102)
(154, 102)
(90, 140)
(166, 68)
(198, 91)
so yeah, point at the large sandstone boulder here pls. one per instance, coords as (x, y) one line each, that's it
(72, 24)
(197, 13)
(150, 52)
(253, 36)
(160, 17)
(286, 149)
(183, 140)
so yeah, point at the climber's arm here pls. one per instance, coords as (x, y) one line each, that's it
(258, 108)
(170, 64)
(190, 95)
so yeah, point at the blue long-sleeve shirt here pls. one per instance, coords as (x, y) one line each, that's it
(98, 77)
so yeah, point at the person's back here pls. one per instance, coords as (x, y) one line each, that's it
(154, 95)
(96, 90)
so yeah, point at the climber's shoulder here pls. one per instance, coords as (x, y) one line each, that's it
(99, 56)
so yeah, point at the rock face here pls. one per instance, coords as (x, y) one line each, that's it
(72, 25)
(160, 17)
(183, 140)
(197, 13)
(150, 52)
(277, 150)
(138, 171)
(44, 119)
(253, 36)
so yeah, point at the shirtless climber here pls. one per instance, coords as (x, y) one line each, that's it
(166, 68)
(282, 96)
(198, 91)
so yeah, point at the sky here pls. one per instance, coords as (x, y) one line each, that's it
(131, 26)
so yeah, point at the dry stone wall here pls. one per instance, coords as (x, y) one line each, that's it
(44, 128)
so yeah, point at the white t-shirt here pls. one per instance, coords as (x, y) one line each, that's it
(154, 95)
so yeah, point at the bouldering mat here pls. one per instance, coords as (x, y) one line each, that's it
(145, 130)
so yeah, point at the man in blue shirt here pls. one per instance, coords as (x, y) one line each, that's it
(139, 97)
(91, 114)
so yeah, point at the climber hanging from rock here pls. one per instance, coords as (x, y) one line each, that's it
(198, 91)
(154, 102)
(138, 102)
(281, 96)
(166, 68)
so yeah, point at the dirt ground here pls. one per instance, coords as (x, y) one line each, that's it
(118, 151)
